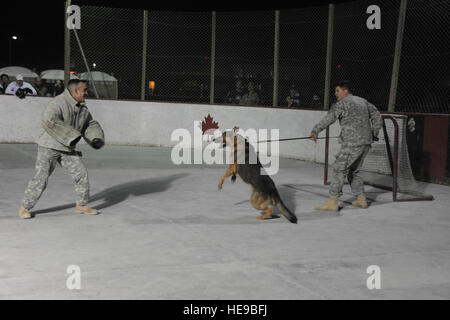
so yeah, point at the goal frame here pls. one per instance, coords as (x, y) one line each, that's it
(392, 157)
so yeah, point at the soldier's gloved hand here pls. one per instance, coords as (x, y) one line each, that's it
(97, 143)
(28, 91)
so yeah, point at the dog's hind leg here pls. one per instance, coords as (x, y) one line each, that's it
(254, 199)
(265, 207)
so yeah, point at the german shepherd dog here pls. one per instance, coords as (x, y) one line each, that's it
(264, 192)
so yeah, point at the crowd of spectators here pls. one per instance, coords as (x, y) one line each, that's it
(251, 95)
(39, 87)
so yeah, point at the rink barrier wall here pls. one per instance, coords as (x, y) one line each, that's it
(144, 123)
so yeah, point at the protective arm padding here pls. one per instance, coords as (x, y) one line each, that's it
(94, 131)
(59, 130)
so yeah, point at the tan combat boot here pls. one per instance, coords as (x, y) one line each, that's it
(85, 210)
(330, 205)
(24, 213)
(360, 201)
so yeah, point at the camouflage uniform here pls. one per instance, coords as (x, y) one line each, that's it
(45, 164)
(64, 122)
(360, 122)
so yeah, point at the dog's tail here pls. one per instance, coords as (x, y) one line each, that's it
(286, 212)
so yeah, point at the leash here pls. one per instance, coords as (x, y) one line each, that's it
(299, 138)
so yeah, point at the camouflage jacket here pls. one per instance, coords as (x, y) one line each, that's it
(64, 122)
(359, 119)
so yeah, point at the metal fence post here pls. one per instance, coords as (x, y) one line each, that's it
(276, 58)
(66, 46)
(397, 54)
(144, 53)
(326, 94)
(85, 63)
(213, 57)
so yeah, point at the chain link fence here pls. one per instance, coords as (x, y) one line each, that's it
(363, 56)
(303, 53)
(244, 57)
(111, 40)
(178, 56)
(267, 58)
(424, 76)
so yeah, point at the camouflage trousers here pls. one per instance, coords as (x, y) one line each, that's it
(45, 165)
(348, 163)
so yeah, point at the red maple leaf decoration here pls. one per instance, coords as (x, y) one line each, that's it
(209, 126)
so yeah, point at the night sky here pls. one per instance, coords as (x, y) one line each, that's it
(39, 30)
(39, 25)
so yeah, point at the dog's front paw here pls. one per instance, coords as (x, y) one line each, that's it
(219, 186)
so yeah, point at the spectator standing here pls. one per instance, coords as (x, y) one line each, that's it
(234, 96)
(316, 102)
(251, 97)
(40, 87)
(19, 84)
(58, 88)
(293, 99)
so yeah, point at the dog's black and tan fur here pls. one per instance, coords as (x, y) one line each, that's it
(264, 192)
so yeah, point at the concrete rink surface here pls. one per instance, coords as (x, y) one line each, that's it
(166, 232)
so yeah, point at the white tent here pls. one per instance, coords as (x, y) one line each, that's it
(55, 75)
(13, 71)
(97, 76)
(105, 84)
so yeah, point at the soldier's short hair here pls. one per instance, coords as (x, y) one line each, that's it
(73, 83)
(344, 85)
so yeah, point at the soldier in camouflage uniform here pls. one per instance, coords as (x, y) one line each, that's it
(360, 124)
(64, 122)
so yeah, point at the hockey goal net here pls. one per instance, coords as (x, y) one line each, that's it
(387, 164)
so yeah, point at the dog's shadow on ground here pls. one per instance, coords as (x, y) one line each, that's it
(116, 194)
